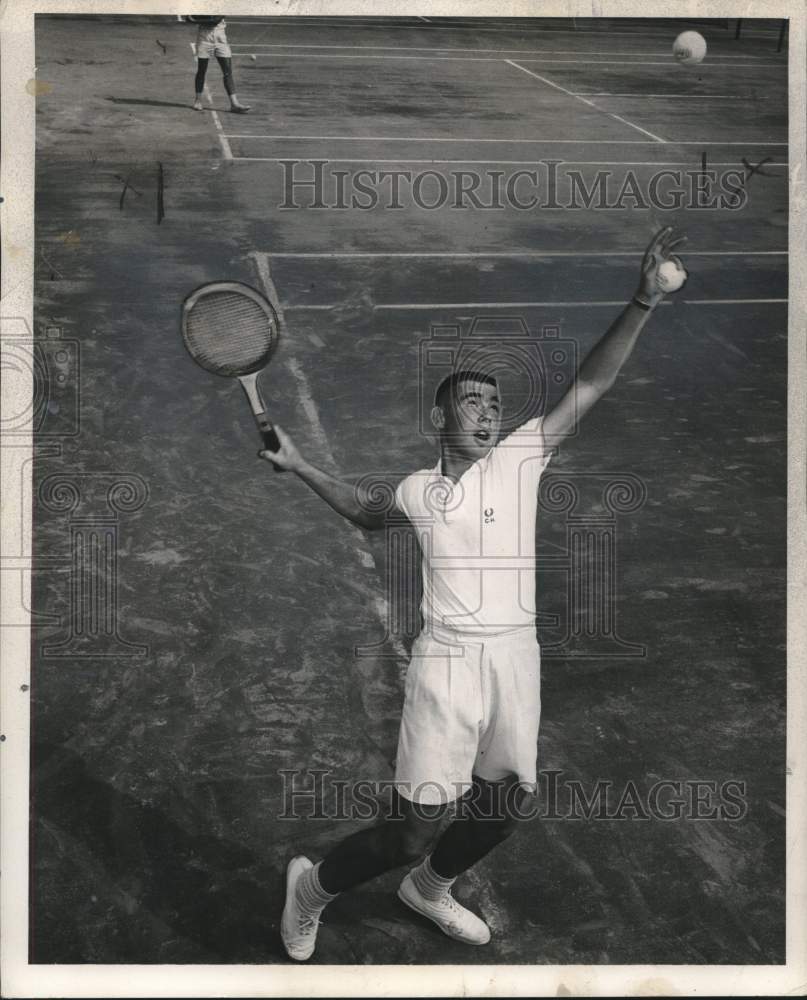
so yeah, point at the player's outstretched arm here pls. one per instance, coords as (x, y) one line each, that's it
(599, 370)
(346, 499)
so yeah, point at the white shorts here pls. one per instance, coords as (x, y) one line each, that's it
(472, 707)
(212, 42)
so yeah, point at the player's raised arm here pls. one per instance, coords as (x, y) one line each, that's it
(600, 368)
(348, 499)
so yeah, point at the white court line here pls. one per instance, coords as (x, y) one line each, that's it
(378, 307)
(503, 163)
(583, 100)
(312, 308)
(669, 63)
(354, 254)
(383, 56)
(225, 145)
(319, 21)
(386, 306)
(487, 305)
(349, 22)
(716, 142)
(470, 24)
(451, 48)
(697, 97)
(730, 302)
(306, 397)
(359, 547)
(473, 139)
(223, 141)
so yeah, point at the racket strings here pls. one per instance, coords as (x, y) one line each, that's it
(229, 333)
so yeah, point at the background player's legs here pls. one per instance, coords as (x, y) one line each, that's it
(489, 815)
(402, 838)
(226, 64)
(199, 83)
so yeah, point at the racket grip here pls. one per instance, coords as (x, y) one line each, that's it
(270, 439)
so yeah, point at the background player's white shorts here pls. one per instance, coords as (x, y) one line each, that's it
(472, 706)
(212, 42)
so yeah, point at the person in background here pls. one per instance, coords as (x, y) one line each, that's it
(211, 39)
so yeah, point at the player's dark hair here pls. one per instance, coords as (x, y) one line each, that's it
(445, 390)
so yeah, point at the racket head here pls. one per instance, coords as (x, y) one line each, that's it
(229, 328)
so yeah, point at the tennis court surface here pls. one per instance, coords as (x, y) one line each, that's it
(236, 629)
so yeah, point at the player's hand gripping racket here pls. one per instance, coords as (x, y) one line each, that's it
(230, 329)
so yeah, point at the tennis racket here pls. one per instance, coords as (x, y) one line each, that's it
(230, 329)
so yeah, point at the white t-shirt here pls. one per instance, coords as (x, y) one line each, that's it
(477, 536)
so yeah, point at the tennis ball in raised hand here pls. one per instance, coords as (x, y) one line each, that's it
(689, 48)
(670, 275)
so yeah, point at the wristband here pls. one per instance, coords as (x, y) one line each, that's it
(642, 305)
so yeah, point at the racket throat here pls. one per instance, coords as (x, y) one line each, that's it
(249, 383)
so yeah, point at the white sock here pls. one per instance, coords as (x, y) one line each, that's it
(428, 883)
(311, 897)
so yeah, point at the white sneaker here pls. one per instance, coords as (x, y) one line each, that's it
(197, 106)
(452, 918)
(298, 930)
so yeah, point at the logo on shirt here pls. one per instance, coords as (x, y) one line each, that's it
(489, 519)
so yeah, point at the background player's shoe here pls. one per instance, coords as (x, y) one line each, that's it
(452, 918)
(298, 928)
(197, 105)
(239, 108)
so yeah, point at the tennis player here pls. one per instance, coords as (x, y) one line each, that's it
(211, 40)
(471, 710)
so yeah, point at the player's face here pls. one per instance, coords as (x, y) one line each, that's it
(474, 421)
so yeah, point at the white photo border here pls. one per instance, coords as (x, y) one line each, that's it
(21, 979)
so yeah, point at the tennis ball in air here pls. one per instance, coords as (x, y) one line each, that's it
(689, 48)
(670, 275)
(253, 58)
